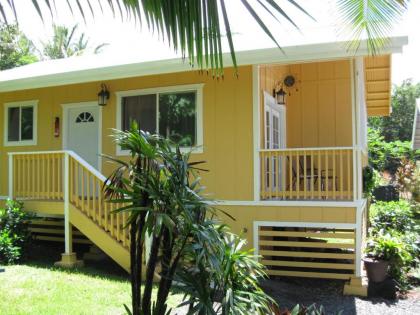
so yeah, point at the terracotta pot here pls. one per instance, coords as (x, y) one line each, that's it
(377, 270)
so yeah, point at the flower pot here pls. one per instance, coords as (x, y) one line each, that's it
(377, 270)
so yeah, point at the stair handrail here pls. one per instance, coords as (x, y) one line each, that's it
(84, 163)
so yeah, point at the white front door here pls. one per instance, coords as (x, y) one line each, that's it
(83, 132)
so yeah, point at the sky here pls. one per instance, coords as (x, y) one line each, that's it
(126, 38)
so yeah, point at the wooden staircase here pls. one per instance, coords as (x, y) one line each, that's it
(100, 237)
(64, 177)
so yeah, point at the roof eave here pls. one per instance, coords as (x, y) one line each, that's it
(292, 54)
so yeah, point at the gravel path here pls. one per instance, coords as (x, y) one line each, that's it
(289, 292)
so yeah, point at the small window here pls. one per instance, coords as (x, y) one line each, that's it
(85, 117)
(20, 123)
(170, 114)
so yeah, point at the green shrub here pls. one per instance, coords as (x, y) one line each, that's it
(394, 236)
(392, 248)
(392, 217)
(14, 235)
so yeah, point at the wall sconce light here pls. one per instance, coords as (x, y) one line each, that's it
(57, 127)
(281, 96)
(103, 95)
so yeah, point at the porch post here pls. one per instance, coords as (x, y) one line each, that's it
(358, 241)
(10, 175)
(67, 225)
(357, 285)
(68, 258)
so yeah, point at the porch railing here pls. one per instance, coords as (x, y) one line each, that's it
(65, 176)
(307, 174)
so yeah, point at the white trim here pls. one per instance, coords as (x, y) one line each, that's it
(72, 70)
(358, 239)
(4, 197)
(67, 224)
(35, 152)
(308, 149)
(73, 154)
(285, 203)
(89, 167)
(19, 143)
(256, 129)
(66, 107)
(10, 176)
(416, 114)
(198, 88)
(326, 225)
(355, 127)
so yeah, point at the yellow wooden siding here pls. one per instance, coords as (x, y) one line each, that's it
(227, 120)
(319, 105)
(378, 85)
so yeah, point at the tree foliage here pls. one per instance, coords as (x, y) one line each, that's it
(15, 48)
(387, 156)
(398, 126)
(64, 43)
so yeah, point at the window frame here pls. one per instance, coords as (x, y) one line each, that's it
(197, 88)
(34, 105)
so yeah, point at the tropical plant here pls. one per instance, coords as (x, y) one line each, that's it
(195, 27)
(64, 44)
(303, 310)
(224, 281)
(15, 48)
(160, 190)
(393, 249)
(14, 232)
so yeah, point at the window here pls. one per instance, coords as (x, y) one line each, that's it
(173, 112)
(20, 123)
(84, 118)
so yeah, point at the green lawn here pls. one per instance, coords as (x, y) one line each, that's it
(42, 290)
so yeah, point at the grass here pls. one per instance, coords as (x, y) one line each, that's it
(31, 289)
(38, 288)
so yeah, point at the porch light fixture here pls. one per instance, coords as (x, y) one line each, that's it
(281, 96)
(103, 95)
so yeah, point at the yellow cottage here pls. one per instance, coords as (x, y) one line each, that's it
(285, 144)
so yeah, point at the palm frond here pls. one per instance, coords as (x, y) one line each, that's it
(373, 19)
(193, 28)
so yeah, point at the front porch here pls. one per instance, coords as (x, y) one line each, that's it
(310, 131)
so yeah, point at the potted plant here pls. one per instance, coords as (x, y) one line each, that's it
(382, 252)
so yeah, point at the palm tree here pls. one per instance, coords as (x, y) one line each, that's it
(64, 44)
(195, 27)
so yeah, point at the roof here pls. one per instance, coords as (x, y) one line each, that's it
(416, 127)
(101, 67)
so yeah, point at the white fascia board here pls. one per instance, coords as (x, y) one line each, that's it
(416, 116)
(14, 80)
